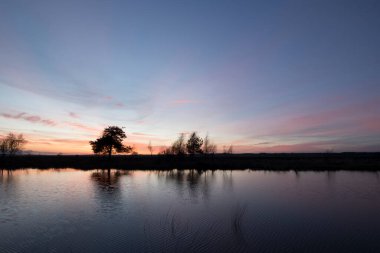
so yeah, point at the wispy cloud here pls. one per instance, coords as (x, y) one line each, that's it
(13, 116)
(81, 126)
(141, 134)
(30, 118)
(49, 122)
(74, 115)
(70, 141)
(184, 101)
(143, 137)
(262, 143)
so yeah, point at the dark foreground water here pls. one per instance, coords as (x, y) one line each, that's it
(149, 211)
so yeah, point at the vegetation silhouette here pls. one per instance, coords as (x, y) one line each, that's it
(208, 146)
(175, 157)
(12, 144)
(110, 142)
(194, 144)
(150, 148)
(274, 162)
(178, 147)
(227, 150)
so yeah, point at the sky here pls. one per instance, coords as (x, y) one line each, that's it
(263, 76)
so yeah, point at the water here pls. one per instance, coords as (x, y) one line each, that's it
(148, 211)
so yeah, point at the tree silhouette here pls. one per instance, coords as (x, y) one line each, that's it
(3, 146)
(194, 144)
(227, 150)
(208, 146)
(150, 148)
(179, 147)
(12, 144)
(110, 142)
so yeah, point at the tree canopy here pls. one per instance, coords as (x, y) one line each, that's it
(179, 147)
(12, 144)
(194, 144)
(110, 142)
(208, 146)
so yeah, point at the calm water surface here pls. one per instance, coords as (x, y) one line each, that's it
(223, 211)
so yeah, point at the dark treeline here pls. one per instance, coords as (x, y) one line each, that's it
(317, 161)
(193, 153)
(111, 142)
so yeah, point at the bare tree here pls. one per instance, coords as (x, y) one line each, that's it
(133, 150)
(166, 151)
(4, 146)
(163, 150)
(230, 150)
(179, 147)
(227, 150)
(12, 144)
(208, 146)
(150, 148)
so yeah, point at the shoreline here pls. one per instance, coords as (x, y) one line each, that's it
(284, 161)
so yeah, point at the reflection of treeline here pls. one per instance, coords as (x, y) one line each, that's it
(106, 179)
(194, 145)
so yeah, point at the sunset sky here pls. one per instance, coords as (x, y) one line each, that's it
(264, 76)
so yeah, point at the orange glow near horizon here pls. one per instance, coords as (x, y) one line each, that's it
(80, 147)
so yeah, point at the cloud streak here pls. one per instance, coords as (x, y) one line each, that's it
(74, 115)
(184, 102)
(29, 118)
(83, 127)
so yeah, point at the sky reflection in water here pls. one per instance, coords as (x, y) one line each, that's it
(183, 211)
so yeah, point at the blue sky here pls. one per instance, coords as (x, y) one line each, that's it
(264, 76)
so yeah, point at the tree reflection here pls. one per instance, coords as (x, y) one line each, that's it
(6, 177)
(227, 180)
(108, 193)
(108, 179)
(196, 181)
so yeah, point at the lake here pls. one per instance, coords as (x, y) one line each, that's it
(67, 210)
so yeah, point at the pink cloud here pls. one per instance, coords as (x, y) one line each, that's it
(82, 127)
(337, 145)
(349, 120)
(139, 137)
(10, 116)
(33, 118)
(30, 118)
(141, 134)
(321, 146)
(372, 124)
(70, 141)
(140, 122)
(48, 122)
(184, 101)
(263, 143)
(74, 115)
